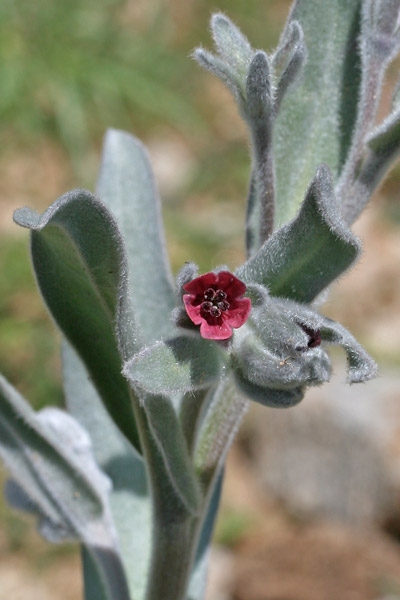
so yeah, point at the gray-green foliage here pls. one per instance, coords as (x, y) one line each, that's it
(135, 470)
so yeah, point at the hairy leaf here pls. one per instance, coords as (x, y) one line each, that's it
(231, 44)
(321, 110)
(168, 434)
(379, 43)
(303, 257)
(80, 266)
(198, 579)
(258, 113)
(175, 366)
(288, 60)
(126, 185)
(49, 457)
(219, 426)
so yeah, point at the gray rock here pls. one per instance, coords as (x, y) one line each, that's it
(335, 455)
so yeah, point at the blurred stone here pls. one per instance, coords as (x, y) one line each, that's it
(336, 454)
(220, 575)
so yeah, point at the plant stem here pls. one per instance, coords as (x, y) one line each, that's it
(174, 527)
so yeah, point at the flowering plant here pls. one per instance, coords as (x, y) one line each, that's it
(157, 376)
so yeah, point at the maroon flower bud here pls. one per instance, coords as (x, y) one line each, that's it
(215, 302)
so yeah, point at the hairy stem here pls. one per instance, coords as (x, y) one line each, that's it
(173, 540)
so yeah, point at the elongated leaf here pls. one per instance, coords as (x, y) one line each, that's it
(288, 60)
(175, 366)
(303, 257)
(80, 266)
(198, 579)
(383, 149)
(130, 502)
(218, 429)
(258, 113)
(320, 111)
(49, 456)
(379, 43)
(168, 434)
(126, 185)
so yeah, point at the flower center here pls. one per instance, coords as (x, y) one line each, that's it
(214, 302)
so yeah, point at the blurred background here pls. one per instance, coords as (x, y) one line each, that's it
(311, 505)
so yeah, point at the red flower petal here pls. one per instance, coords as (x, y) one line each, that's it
(215, 332)
(193, 311)
(231, 285)
(238, 315)
(200, 284)
(217, 313)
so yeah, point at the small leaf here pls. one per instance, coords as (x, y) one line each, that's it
(232, 45)
(126, 185)
(288, 60)
(384, 147)
(303, 257)
(223, 71)
(175, 366)
(85, 289)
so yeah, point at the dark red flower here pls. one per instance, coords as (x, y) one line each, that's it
(214, 301)
(314, 336)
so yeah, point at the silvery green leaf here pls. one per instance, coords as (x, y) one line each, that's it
(168, 434)
(85, 289)
(129, 499)
(379, 44)
(303, 257)
(126, 186)
(49, 457)
(198, 578)
(175, 366)
(219, 425)
(288, 61)
(231, 44)
(223, 71)
(383, 147)
(321, 110)
(233, 58)
(54, 532)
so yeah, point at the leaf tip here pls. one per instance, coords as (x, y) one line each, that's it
(26, 217)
